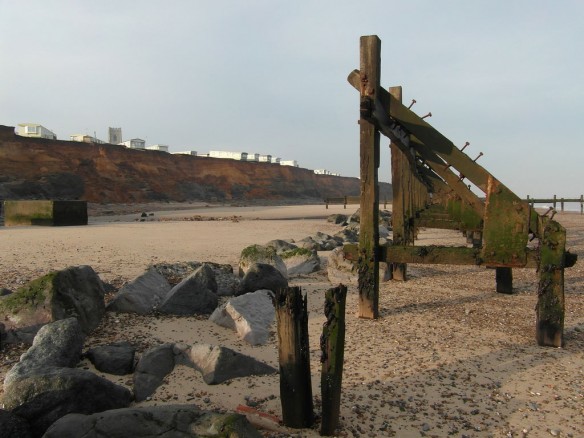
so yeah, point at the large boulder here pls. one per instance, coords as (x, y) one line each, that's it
(261, 254)
(194, 295)
(281, 245)
(219, 364)
(50, 393)
(153, 421)
(262, 276)
(227, 281)
(250, 315)
(151, 369)
(75, 291)
(337, 219)
(116, 358)
(57, 344)
(142, 295)
(301, 261)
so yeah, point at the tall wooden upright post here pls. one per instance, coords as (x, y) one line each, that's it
(368, 263)
(401, 191)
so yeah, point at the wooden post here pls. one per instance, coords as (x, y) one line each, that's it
(554, 202)
(550, 294)
(581, 204)
(332, 344)
(294, 358)
(562, 204)
(504, 280)
(399, 185)
(368, 263)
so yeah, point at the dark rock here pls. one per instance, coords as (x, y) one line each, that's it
(117, 358)
(75, 291)
(262, 276)
(151, 369)
(50, 393)
(4, 292)
(281, 245)
(337, 219)
(57, 344)
(193, 295)
(166, 421)
(13, 426)
(142, 294)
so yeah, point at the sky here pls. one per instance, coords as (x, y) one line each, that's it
(270, 76)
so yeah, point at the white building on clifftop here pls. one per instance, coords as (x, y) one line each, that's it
(35, 130)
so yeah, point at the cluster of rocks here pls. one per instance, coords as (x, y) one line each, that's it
(55, 312)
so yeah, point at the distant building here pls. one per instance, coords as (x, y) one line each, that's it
(85, 138)
(134, 143)
(115, 135)
(325, 172)
(265, 159)
(253, 157)
(194, 153)
(34, 130)
(276, 160)
(158, 147)
(292, 163)
(242, 156)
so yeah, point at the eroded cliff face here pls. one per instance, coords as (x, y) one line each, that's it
(54, 169)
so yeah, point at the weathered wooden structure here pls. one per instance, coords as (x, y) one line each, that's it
(431, 180)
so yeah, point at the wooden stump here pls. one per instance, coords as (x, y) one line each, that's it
(294, 358)
(332, 344)
(504, 279)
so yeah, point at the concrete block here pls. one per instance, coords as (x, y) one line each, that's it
(43, 212)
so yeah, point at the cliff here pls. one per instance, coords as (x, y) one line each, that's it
(54, 169)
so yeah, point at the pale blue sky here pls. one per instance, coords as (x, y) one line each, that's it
(269, 76)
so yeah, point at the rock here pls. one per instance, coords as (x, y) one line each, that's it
(142, 295)
(281, 245)
(4, 292)
(340, 270)
(117, 358)
(227, 281)
(308, 243)
(194, 295)
(348, 235)
(262, 276)
(57, 344)
(343, 271)
(261, 254)
(153, 421)
(12, 426)
(301, 261)
(337, 219)
(151, 369)
(50, 393)
(75, 291)
(383, 231)
(250, 315)
(218, 364)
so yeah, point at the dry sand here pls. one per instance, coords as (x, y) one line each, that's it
(447, 357)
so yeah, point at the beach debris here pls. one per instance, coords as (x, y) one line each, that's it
(183, 420)
(142, 294)
(261, 254)
(262, 276)
(250, 315)
(196, 294)
(116, 358)
(75, 291)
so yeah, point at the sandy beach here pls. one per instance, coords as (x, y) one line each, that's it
(447, 357)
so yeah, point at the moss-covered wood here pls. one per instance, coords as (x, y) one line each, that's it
(368, 264)
(332, 344)
(294, 358)
(550, 294)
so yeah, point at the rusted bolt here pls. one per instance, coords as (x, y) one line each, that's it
(447, 166)
(427, 115)
(464, 147)
(412, 104)
(479, 156)
(461, 177)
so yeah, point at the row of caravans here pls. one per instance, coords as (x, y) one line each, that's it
(243, 156)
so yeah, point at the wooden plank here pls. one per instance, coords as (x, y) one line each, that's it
(368, 264)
